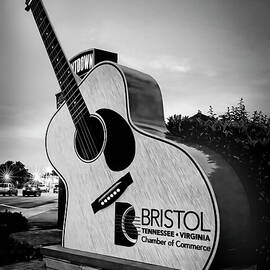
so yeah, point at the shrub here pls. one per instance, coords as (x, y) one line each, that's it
(10, 249)
(15, 222)
(244, 141)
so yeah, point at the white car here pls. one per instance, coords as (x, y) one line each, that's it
(8, 189)
(43, 188)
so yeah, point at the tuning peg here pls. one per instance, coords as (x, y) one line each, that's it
(28, 5)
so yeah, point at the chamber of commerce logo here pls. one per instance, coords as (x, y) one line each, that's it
(173, 228)
(126, 232)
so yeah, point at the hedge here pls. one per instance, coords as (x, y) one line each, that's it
(244, 141)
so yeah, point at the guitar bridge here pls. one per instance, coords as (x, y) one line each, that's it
(112, 193)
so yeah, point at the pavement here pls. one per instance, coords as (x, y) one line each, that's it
(31, 265)
(37, 239)
(43, 231)
(29, 206)
(30, 212)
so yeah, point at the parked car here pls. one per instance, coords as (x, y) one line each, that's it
(8, 189)
(43, 188)
(56, 189)
(31, 189)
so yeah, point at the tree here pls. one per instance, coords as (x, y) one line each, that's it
(14, 172)
(211, 112)
(49, 173)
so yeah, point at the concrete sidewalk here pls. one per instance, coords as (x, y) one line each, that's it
(30, 212)
(31, 265)
(42, 232)
(44, 220)
(36, 239)
(39, 238)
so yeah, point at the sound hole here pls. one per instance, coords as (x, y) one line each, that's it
(89, 137)
(120, 145)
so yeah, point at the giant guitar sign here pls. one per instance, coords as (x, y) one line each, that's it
(130, 194)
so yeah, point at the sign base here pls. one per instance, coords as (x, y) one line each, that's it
(59, 258)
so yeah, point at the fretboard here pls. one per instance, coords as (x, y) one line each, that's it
(62, 69)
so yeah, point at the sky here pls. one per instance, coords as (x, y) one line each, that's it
(201, 53)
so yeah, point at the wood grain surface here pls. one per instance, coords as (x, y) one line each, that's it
(164, 177)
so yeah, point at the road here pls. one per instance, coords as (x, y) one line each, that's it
(29, 206)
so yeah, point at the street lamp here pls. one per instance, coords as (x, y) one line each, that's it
(48, 171)
(6, 176)
(36, 176)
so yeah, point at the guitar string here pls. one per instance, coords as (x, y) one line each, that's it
(82, 146)
(85, 130)
(84, 139)
(45, 30)
(60, 70)
(32, 7)
(81, 112)
(41, 20)
(39, 9)
(62, 83)
(33, 10)
(57, 57)
(63, 74)
(95, 151)
(83, 127)
(82, 123)
(78, 100)
(83, 119)
(53, 56)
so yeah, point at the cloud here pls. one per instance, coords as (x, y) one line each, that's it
(168, 63)
(177, 67)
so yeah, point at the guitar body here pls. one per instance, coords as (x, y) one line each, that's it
(165, 215)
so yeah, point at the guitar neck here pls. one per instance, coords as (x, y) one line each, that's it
(60, 64)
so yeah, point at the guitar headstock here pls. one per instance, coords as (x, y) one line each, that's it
(28, 4)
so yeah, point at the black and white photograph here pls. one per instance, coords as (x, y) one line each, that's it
(135, 135)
